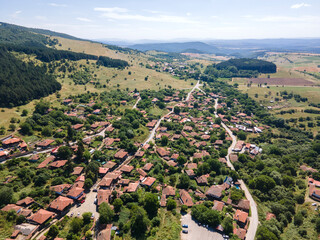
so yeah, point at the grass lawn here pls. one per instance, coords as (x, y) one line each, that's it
(6, 227)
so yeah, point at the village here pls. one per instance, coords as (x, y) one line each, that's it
(190, 142)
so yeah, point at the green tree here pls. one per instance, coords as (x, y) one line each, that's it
(242, 136)
(76, 225)
(117, 203)
(151, 204)
(86, 217)
(227, 225)
(139, 221)
(164, 140)
(64, 152)
(88, 183)
(106, 213)
(53, 232)
(184, 182)
(263, 183)
(25, 128)
(264, 233)
(24, 112)
(171, 204)
(6, 196)
(181, 159)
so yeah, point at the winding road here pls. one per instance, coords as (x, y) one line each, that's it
(254, 219)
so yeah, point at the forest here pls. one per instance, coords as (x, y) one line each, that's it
(21, 82)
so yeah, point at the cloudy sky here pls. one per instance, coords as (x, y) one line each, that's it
(168, 19)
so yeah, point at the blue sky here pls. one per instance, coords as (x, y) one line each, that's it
(168, 19)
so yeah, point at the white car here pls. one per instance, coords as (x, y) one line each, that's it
(314, 204)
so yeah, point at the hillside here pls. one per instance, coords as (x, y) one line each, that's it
(193, 47)
(21, 82)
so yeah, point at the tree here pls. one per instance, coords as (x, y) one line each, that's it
(76, 225)
(164, 140)
(86, 218)
(176, 110)
(88, 183)
(184, 182)
(184, 208)
(171, 204)
(263, 183)
(264, 233)
(242, 136)
(86, 155)
(6, 195)
(181, 159)
(298, 219)
(25, 128)
(236, 195)
(151, 204)
(117, 203)
(53, 232)
(64, 152)
(24, 113)
(46, 131)
(227, 225)
(139, 221)
(80, 151)
(12, 127)
(318, 224)
(106, 213)
(173, 180)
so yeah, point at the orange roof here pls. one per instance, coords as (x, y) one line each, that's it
(103, 170)
(60, 203)
(105, 234)
(11, 207)
(103, 196)
(46, 161)
(218, 205)
(11, 141)
(41, 216)
(26, 201)
(147, 166)
(240, 216)
(240, 232)
(58, 164)
(169, 191)
(148, 181)
(132, 187)
(185, 198)
(105, 182)
(126, 168)
(77, 170)
(121, 154)
(45, 143)
(75, 192)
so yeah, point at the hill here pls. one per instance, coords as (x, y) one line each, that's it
(194, 47)
(249, 64)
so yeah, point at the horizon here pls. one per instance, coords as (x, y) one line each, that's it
(168, 21)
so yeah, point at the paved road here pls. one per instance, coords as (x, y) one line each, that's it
(254, 219)
(194, 88)
(196, 232)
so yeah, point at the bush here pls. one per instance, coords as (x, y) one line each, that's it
(171, 204)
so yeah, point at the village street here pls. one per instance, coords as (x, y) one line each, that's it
(254, 220)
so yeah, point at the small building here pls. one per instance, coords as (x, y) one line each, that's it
(41, 217)
(185, 198)
(60, 204)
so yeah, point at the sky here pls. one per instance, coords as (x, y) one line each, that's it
(168, 19)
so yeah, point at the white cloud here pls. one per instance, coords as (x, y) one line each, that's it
(288, 19)
(16, 13)
(57, 5)
(83, 19)
(111, 10)
(123, 14)
(188, 14)
(299, 5)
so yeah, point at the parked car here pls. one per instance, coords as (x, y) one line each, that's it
(314, 204)
(95, 190)
(71, 214)
(78, 214)
(92, 216)
(184, 231)
(83, 201)
(185, 226)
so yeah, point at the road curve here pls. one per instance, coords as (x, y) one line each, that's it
(254, 219)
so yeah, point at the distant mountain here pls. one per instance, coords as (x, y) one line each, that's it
(194, 47)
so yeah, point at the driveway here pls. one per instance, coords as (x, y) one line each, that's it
(196, 232)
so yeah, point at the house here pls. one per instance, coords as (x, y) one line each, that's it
(152, 124)
(218, 205)
(10, 207)
(45, 143)
(239, 146)
(132, 187)
(241, 217)
(105, 234)
(103, 171)
(26, 202)
(147, 167)
(202, 180)
(163, 201)
(67, 101)
(169, 191)
(162, 152)
(240, 232)
(314, 192)
(46, 161)
(215, 191)
(105, 183)
(58, 164)
(233, 157)
(41, 217)
(77, 126)
(34, 158)
(75, 193)
(148, 181)
(103, 196)
(97, 111)
(60, 204)
(110, 165)
(185, 198)
(59, 189)
(121, 154)
(190, 173)
(77, 170)
(141, 172)
(192, 166)
(139, 154)
(269, 216)
(126, 168)
(11, 142)
(3, 155)
(244, 204)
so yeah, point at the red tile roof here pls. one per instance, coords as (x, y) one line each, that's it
(41, 216)
(240, 216)
(60, 203)
(185, 198)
